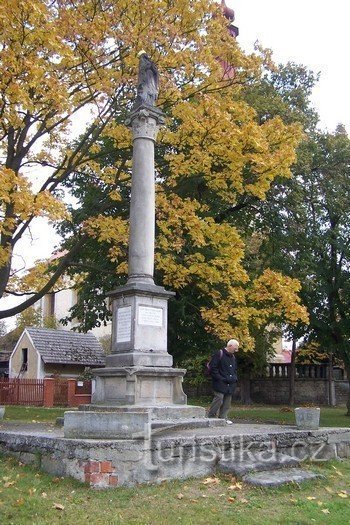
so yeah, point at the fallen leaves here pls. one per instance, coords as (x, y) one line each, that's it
(325, 511)
(211, 481)
(9, 484)
(58, 506)
(236, 486)
(338, 471)
(343, 494)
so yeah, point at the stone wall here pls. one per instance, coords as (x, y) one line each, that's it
(175, 455)
(341, 392)
(275, 391)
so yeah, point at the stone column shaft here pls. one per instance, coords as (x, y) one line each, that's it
(144, 122)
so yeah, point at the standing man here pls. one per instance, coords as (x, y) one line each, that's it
(223, 370)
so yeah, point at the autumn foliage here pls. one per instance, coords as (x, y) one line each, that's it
(68, 79)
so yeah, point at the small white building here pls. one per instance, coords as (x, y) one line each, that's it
(41, 353)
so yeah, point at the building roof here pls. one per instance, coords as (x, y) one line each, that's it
(66, 347)
(4, 356)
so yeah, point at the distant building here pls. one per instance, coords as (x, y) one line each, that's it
(58, 305)
(229, 14)
(41, 353)
(4, 363)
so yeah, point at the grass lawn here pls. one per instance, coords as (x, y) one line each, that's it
(283, 415)
(39, 414)
(330, 417)
(31, 497)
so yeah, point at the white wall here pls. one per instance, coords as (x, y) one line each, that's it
(64, 300)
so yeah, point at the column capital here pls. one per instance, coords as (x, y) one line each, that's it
(145, 122)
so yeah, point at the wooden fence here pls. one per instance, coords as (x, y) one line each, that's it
(21, 392)
(44, 392)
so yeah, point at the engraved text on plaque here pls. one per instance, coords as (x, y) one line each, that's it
(150, 316)
(124, 324)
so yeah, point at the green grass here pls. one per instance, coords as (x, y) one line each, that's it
(30, 497)
(284, 415)
(330, 417)
(39, 414)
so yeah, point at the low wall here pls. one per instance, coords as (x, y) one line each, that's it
(275, 391)
(177, 455)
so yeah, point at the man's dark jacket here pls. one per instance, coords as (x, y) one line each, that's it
(223, 371)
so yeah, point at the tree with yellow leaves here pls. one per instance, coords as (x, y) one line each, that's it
(67, 61)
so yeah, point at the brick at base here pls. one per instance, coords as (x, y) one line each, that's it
(100, 474)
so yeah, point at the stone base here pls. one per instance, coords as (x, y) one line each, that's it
(130, 422)
(141, 386)
(139, 359)
(172, 454)
(106, 425)
(156, 412)
(307, 418)
(275, 478)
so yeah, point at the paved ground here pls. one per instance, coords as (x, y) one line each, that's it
(237, 429)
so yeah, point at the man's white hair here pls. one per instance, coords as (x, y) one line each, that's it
(233, 342)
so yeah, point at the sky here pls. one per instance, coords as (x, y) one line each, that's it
(308, 32)
(302, 31)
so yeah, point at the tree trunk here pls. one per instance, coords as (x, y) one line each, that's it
(245, 391)
(331, 393)
(348, 402)
(292, 374)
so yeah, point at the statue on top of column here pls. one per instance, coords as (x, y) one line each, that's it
(148, 82)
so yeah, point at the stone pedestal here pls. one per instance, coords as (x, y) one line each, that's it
(138, 371)
(139, 386)
(139, 326)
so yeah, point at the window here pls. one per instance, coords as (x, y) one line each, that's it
(24, 366)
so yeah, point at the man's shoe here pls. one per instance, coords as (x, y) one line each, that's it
(229, 422)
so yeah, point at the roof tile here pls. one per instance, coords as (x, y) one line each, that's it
(66, 347)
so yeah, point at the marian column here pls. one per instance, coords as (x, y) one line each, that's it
(144, 120)
(138, 384)
(139, 369)
(139, 335)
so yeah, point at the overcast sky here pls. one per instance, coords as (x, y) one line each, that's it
(308, 32)
(302, 31)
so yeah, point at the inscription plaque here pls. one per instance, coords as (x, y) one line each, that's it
(124, 324)
(150, 316)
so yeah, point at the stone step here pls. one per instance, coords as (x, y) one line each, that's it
(274, 478)
(240, 468)
(162, 425)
